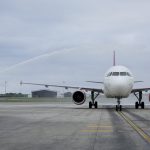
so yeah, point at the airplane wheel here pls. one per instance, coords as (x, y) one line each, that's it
(120, 107)
(142, 105)
(116, 107)
(96, 105)
(90, 104)
(136, 105)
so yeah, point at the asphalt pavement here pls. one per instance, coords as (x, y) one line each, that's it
(50, 126)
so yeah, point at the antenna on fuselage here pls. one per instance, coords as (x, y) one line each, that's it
(114, 59)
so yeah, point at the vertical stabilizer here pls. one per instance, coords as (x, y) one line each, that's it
(114, 59)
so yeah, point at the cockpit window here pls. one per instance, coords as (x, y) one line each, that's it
(118, 74)
(115, 73)
(109, 74)
(128, 74)
(123, 73)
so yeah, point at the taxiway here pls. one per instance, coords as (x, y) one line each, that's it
(54, 126)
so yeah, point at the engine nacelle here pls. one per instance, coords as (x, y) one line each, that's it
(79, 97)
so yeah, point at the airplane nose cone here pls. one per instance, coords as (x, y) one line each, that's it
(120, 85)
(121, 88)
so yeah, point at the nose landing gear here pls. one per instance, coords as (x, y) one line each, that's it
(118, 106)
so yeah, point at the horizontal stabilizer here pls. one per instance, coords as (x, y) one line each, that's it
(95, 82)
(138, 81)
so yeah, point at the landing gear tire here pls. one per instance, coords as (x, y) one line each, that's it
(116, 107)
(136, 105)
(90, 105)
(142, 105)
(120, 107)
(96, 105)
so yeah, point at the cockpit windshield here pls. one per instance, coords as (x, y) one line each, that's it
(128, 74)
(115, 74)
(118, 74)
(109, 74)
(123, 73)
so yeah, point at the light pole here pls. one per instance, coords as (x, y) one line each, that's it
(5, 87)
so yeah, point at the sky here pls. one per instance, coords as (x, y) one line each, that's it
(67, 42)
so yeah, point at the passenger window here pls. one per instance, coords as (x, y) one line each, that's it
(123, 73)
(115, 73)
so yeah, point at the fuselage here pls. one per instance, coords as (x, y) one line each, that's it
(118, 82)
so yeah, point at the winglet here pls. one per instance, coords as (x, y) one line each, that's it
(114, 59)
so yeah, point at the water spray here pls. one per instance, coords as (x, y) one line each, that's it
(36, 58)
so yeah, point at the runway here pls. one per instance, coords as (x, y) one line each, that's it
(53, 126)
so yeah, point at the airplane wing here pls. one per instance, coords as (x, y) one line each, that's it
(66, 87)
(140, 89)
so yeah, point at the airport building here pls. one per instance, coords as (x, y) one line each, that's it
(44, 93)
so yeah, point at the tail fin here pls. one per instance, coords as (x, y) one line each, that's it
(114, 59)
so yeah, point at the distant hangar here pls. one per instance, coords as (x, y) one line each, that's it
(44, 93)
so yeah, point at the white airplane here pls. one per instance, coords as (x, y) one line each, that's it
(118, 83)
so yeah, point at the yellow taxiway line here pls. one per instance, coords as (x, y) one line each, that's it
(99, 126)
(135, 127)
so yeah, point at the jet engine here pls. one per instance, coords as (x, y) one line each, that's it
(79, 97)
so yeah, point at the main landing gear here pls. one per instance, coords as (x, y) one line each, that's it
(93, 102)
(139, 103)
(118, 106)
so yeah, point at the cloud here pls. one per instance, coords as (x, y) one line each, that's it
(32, 29)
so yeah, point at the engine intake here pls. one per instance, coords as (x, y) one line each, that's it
(79, 97)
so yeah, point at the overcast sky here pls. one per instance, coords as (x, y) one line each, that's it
(71, 41)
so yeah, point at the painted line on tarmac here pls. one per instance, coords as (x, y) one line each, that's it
(145, 136)
(93, 128)
(94, 131)
(99, 126)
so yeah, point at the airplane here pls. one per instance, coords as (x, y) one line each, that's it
(118, 83)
